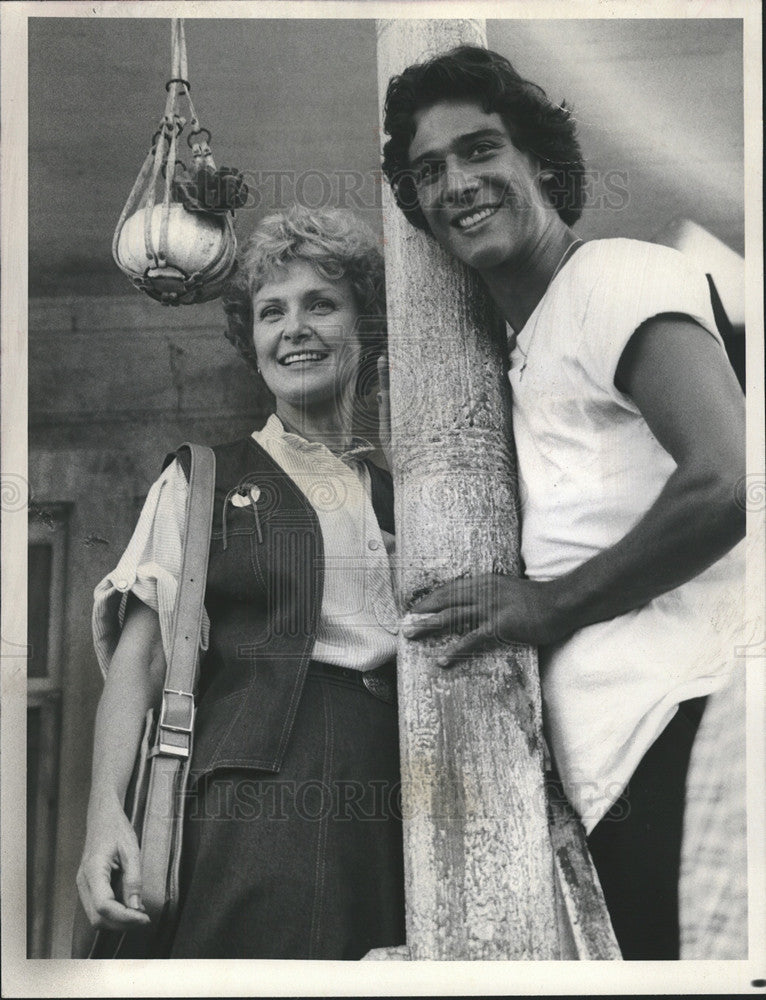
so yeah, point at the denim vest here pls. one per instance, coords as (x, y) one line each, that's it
(263, 597)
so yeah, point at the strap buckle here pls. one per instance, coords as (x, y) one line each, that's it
(176, 723)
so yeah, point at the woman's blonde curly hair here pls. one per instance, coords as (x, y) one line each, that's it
(337, 245)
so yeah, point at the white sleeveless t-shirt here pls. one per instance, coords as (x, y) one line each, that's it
(589, 469)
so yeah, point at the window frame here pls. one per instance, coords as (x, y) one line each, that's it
(48, 524)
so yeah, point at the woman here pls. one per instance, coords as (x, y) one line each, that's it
(292, 839)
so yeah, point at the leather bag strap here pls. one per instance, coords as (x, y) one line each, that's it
(171, 753)
(176, 722)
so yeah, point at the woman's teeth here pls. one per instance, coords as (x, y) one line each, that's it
(303, 356)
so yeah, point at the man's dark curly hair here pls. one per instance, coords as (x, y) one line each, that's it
(469, 73)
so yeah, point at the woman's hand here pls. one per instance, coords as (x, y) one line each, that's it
(384, 408)
(133, 686)
(489, 611)
(111, 844)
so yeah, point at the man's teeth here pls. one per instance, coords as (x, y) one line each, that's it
(471, 220)
(303, 356)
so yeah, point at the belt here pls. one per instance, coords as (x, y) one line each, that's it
(380, 682)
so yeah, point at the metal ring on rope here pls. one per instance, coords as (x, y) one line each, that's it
(160, 132)
(198, 131)
(176, 163)
(177, 79)
(175, 125)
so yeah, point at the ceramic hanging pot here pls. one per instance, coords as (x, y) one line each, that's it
(199, 251)
(175, 238)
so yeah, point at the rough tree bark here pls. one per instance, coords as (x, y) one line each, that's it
(481, 874)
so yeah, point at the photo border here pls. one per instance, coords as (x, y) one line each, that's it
(70, 978)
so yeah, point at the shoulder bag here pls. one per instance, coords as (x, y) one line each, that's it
(156, 793)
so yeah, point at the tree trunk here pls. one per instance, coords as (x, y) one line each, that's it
(479, 865)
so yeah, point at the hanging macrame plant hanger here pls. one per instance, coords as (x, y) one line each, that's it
(175, 237)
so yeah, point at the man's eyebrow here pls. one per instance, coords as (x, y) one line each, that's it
(460, 140)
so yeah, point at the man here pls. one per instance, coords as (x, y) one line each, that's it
(630, 434)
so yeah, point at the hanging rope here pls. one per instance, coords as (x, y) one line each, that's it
(175, 236)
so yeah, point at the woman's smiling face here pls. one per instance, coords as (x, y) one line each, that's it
(305, 337)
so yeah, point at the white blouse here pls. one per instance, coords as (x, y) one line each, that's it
(358, 622)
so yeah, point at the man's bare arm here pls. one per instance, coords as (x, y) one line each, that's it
(680, 379)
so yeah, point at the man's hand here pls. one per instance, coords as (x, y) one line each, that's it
(111, 844)
(489, 611)
(682, 383)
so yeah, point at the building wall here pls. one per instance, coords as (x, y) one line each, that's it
(114, 384)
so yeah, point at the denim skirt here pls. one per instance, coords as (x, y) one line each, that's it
(305, 863)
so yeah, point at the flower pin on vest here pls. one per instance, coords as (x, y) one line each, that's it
(242, 496)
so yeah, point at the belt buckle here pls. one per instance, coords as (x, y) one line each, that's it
(380, 686)
(176, 716)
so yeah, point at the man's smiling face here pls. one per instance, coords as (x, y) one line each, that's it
(479, 194)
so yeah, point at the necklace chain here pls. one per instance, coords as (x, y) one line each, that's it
(564, 258)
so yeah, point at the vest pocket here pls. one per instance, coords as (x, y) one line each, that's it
(229, 520)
